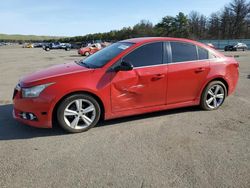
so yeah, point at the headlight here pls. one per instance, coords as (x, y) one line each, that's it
(34, 91)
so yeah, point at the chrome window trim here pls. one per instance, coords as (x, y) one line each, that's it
(195, 60)
(182, 62)
(171, 63)
(149, 66)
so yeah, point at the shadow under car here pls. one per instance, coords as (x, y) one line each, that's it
(10, 129)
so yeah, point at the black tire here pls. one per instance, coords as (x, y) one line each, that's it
(204, 96)
(47, 49)
(67, 101)
(67, 49)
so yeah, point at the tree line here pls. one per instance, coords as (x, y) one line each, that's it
(231, 22)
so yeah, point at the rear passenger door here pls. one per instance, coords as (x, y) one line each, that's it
(187, 71)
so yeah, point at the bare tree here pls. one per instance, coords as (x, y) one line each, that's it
(238, 10)
(197, 25)
(214, 26)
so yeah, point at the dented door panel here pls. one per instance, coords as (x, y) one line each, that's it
(141, 87)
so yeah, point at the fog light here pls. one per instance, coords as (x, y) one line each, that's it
(28, 116)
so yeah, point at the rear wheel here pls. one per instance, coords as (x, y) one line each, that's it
(78, 113)
(213, 95)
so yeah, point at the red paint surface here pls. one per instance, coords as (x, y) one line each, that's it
(83, 50)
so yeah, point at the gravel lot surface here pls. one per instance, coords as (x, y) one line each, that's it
(186, 147)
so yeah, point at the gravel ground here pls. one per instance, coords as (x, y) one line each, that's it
(186, 147)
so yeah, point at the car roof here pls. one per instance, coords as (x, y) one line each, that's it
(143, 40)
(153, 39)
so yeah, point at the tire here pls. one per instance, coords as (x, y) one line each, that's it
(213, 96)
(71, 116)
(67, 49)
(47, 49)
(86, 54)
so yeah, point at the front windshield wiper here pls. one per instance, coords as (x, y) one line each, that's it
(83, 63)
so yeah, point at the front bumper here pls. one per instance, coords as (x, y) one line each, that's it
(40, 107)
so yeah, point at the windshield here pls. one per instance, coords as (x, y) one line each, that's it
(102, 57)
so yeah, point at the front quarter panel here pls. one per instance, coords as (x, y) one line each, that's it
(95, 82)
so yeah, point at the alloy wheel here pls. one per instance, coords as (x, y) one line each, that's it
(79, 114)
(215, 96)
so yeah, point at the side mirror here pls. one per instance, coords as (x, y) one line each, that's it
(124, 66)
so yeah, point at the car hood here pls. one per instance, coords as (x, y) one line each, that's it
(52, 72)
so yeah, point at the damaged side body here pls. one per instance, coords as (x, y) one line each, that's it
(141, 87)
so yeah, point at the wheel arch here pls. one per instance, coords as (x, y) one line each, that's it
(97, 98)
(221, 79)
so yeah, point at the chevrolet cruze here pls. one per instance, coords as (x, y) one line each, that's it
(130, 77)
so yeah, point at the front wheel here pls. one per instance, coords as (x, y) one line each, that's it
(86, 54)
(78, 113)
(213, 95)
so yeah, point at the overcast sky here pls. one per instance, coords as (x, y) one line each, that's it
(80, 17)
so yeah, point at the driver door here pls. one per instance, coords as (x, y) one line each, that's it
(145, 85)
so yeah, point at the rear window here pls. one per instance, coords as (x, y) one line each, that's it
(203, 53)
(182, 52)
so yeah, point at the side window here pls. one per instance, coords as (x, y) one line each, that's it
(203, 53)
(183, 52)
(149, 54)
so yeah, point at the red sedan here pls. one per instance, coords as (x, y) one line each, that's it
(89, 50)
(130, 77)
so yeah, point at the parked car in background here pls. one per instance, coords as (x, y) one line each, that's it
(38, 45)
(90, 49)
(235, 47)
(29, 45)
(105, 44)
(3, 43)
(76, 45)
(57, 45)
(129, 77)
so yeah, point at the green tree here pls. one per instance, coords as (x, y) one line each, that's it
(181, 25)
(166, 26)
(143, 29)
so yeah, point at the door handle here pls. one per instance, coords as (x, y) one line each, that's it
(158, 77)
(201, 69)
